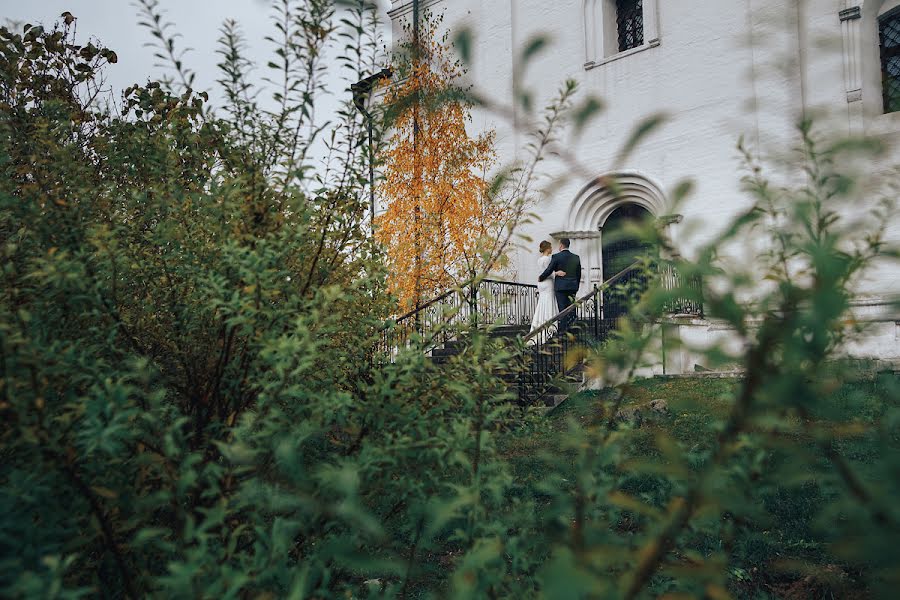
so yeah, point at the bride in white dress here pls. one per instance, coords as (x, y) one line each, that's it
(546, 304)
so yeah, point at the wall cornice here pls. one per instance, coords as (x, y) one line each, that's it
(576, 235)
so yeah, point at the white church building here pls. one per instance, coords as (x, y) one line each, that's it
(720, 70)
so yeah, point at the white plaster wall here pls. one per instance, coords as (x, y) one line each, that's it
(722, 69)
(878, 340)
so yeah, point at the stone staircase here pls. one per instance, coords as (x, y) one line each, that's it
(543, 387)
(543, 372)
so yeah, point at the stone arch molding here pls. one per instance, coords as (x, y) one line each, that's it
(596, 201)
(592, 206)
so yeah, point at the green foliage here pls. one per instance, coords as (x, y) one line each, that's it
(166, 291)
(193, 406)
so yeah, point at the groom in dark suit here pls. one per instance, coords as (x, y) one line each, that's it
(567, 267)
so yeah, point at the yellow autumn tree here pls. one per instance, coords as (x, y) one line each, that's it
(440, 216)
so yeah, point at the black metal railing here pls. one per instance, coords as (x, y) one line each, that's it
(433, 322)
(505, 302)
(551, 351)
(671, 279)
(485, 303)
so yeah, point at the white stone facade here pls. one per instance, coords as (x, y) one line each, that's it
(720, 69)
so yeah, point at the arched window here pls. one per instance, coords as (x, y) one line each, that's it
(889, 45)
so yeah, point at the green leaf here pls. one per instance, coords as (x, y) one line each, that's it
(462, 41)
(533, 47)
(640, 132)
(584, 113)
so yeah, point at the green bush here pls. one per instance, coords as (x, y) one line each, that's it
(192, 400)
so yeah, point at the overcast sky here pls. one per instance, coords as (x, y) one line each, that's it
(115, 24)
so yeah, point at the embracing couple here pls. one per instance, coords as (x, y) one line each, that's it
(557, 284)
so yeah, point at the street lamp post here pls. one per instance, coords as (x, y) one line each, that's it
(361, 91)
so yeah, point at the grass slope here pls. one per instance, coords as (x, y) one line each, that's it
(786, 553)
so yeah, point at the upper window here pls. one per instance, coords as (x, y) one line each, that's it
(617, 28)
(889, 37)
(630, 23)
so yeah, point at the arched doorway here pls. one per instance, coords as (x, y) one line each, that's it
(590, 212)
(621, 246)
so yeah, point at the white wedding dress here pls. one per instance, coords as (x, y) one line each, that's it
(546, 304)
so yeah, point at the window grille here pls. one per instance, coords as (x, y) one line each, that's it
(889, 37)
(630, 23)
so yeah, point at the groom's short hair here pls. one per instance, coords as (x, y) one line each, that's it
(564, 242)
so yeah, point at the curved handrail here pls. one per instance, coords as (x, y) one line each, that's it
(578, 302)
(513, 283)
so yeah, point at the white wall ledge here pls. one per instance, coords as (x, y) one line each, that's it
(885, 123)
(621, 55)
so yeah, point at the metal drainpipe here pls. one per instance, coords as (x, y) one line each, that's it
(361, 91)
(368, 117)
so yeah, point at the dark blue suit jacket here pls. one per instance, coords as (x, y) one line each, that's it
(568, 262)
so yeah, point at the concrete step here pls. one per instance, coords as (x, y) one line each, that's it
(547, 389)
(446, 351)
(509, 331)
(551, 401)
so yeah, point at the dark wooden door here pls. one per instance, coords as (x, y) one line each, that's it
(622, 247)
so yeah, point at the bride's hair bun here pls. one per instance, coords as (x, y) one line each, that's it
(545, 245)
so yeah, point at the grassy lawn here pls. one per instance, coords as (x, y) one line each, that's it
(781, 554)
(695, 405)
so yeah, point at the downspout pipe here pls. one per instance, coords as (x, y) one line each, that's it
(362, 90)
